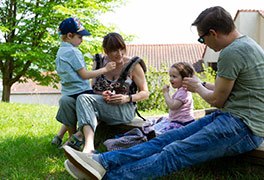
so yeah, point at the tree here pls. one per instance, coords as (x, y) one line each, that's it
(29, 39)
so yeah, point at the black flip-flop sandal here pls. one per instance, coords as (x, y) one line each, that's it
(75, 143)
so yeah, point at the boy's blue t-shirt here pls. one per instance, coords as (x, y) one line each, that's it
(69, 60)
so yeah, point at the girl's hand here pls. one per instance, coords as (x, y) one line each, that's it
(166, 88)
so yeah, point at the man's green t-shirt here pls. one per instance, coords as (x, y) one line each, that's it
(243, 62)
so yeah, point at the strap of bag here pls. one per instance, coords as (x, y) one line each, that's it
(126, 70)
(99, 61)
(138, 114)
(124, 75)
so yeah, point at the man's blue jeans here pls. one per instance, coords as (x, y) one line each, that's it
(216, 135)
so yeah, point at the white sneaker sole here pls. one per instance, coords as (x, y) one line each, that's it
(87, 168)
(69, 170)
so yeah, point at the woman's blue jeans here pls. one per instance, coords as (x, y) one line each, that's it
(216, 135)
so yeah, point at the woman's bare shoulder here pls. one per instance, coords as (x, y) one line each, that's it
(126, 59)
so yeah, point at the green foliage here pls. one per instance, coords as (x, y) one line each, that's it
(199, 103)
(157, 79)
(29, 39)
(208, 75)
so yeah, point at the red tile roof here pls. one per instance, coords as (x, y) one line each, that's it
(154, 55)
(157, 54)
(32, 87)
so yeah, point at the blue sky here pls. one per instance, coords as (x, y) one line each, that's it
(168, 21)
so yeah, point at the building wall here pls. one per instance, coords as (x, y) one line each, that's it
(51, 99)
(248, 23)
(261, 32)
(210, 55)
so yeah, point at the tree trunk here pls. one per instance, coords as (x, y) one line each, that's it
(6, 92)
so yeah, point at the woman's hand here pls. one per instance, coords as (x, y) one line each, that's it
(112, 98)
(106, 95)
(118, 99)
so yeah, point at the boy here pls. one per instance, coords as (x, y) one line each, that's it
(71, 68)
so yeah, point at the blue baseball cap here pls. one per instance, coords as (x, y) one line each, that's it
(73, 25)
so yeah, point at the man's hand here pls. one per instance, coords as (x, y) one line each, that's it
(191, 83)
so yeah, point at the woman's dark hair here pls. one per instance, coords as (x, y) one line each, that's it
(113, 41)
(185, 69)
(216, 18)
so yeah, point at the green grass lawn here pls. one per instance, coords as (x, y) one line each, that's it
(26, 152)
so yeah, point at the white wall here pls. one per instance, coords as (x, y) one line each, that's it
(210, 55)
(261, 32)
(33, 98)
(47, 98)
(248, 24)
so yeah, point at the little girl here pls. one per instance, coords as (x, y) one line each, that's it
(180, 104)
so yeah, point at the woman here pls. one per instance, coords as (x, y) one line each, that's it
(111, 108)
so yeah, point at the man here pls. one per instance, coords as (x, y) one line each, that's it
(237, 127)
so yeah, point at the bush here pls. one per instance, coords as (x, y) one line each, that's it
(156, 80)
(208, 75)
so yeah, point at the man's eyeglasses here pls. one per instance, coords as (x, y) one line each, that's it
(201, 38)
